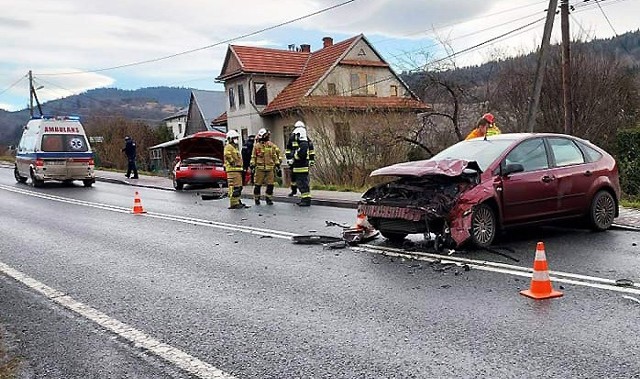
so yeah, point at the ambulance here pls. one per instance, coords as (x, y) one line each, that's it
(54, 148)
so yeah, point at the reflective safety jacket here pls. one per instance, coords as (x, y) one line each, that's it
(232, 158)
(303, 157)
(492, 130)
(265, 155)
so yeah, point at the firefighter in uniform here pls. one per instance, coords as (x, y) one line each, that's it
(233, 167)
(292, 145)
(265, 159)
(300, 165)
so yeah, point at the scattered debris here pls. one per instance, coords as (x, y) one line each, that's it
(335, 245)
(315, 239)
(266, 237)
(624, 283)
(332, 223)
(495, 251)
(631, 298)
(313, 231)
(216, 195)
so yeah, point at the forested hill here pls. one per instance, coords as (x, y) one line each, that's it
(625, 48)
(150, 104)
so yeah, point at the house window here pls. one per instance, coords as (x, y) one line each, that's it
(260, 93)
(362, 84)
(244, 133)
(179, 128)
(393, 90)
(342, 132)
(240, 95)
(331, 89)
(232, 99)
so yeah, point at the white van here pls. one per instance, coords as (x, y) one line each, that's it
(54, 148)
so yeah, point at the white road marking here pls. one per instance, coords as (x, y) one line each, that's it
(576, 279)
(175, 356)
(505, 268)
(203, 369)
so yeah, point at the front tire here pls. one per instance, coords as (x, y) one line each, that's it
(484, 226)
(602, 211)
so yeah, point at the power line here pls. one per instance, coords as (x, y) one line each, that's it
(469, 20)
(606, 18)
(208, 46)
(14, 84)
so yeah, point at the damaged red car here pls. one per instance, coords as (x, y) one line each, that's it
(470, 191)
(200, 161)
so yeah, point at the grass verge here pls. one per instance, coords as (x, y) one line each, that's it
(8, 365)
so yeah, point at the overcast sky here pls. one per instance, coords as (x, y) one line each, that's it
(73, 45)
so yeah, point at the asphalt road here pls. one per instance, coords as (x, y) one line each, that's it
(192, 289)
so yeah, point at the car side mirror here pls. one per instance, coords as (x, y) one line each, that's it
(512, 168)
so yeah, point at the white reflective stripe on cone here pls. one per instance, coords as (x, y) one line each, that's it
(540, 276)
(540, 255)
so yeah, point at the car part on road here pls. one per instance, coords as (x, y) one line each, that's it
(631, 298)
(624, 283)
(215, 195)
(314, 239)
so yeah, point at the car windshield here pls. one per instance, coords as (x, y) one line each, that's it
(479, 150)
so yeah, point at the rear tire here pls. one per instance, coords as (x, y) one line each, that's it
(88, 182)
(16, 174)
(394, 236)
(602, 211)
(178, 185)
(36, 182)
(484, 226)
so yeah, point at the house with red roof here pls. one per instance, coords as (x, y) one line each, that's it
(339, 88)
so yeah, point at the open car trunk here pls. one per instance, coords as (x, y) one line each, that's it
(201, 147)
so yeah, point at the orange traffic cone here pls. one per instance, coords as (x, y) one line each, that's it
(540, 281)
(362, 222)
(137, 205)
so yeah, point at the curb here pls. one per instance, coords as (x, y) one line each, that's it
(335, 203)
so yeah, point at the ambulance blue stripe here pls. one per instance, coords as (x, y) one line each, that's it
(43, 155)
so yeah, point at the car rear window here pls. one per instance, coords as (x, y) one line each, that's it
(565, 152)
(64, 143)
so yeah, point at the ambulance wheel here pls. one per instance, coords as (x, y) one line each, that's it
(87, 182)
(36, 182)
(19, 179)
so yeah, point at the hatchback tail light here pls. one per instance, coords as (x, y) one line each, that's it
(39, 162)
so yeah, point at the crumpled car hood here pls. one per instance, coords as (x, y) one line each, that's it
(448, 167)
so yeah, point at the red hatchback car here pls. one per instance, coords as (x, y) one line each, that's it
(200, 160)
(471, 190)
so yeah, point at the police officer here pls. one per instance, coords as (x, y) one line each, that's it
(265, 158)
(130, 151)
(300, 165)
(233, 167)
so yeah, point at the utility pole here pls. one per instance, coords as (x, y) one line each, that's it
(566, 67)
(33, 95)
(30, 94)
(542, 57)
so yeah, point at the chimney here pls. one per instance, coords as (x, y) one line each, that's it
(326, 42)
(305, 48)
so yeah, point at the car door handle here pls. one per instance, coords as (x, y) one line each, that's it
(588, 173)
(547, 179)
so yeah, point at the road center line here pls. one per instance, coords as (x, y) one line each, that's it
(559, 276)
(169, 353)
